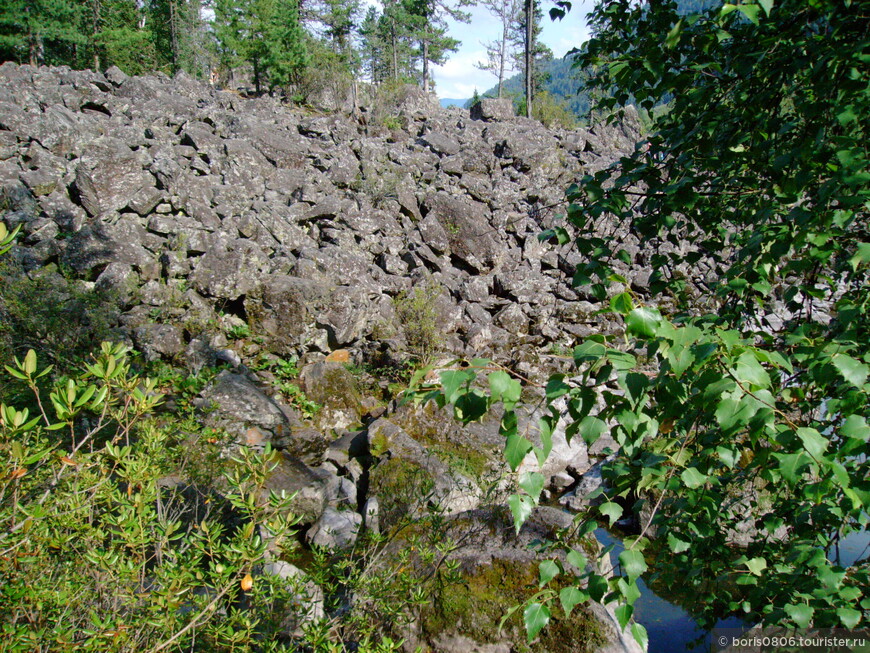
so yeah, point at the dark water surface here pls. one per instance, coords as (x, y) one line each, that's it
(672, 630)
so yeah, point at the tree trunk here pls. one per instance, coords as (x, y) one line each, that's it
(395, 52)
(425, 66)
(37, 50)
(95, 28)
(257, 75)
(530, 35)
(503, 53)
(173, 34)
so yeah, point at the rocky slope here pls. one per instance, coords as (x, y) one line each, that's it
(199, 214)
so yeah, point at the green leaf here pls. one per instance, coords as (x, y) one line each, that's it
(862, 254)
(756, 566)
(612, 511)
(597, 587)
(790, 465)
(516, 449)
(577, 559)
(453, 381)
(570, 597)
(643, 322)
(801, 614)
(855, 426)
(30, 362)
(621, 303)
(521, 507)
(505, 389)
(750, 11)
(589, 351)
(556, 386)
(532, 483)
(853, 371)
(673, 36)
(728, 456)
(623, 615)
(767, 5)
(849, 617)
(640, 636)
(591, 428)
(535, 617)
(813, 442)
(749, 371)
(732, 413)
(633, 563)
(676, 544)
(470, 406)
(692, 478)
(547, 571)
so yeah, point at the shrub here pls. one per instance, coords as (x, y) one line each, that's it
(419, 318)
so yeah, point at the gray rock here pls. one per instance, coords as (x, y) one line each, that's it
(307, 603)
(335, 529)
(233, 402)
(493, 109)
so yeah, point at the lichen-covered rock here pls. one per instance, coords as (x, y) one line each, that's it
(336, 529)
(334, 388)
(493, 109)
(234, 403)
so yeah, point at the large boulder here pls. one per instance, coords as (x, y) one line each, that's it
(493, 109)
(235, 404)
(108, 175)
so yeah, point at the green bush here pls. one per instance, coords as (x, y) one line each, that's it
(55, 315)
(419, 318)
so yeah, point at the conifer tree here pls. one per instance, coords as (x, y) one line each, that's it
(118, 36)
(428, 23)
(266, 34)
(40, 31)
(340, 18)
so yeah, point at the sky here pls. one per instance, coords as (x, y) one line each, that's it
(458, 77)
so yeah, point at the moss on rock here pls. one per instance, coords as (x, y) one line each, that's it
(475, 606)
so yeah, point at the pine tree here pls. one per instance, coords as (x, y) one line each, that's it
(428, 22)
(118, 36)
(266, 34)
(40, 31)
(395, 30)
(176, 25)
(526, 34)
(340, 18)
(373, 47)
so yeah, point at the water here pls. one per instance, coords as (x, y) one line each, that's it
(672, 630)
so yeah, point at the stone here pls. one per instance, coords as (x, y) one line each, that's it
(335, 530)
(312, 489)
(235, 403)
(493, 109)
(307, 602)
(335, 389)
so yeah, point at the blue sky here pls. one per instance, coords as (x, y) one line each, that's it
(458, 77)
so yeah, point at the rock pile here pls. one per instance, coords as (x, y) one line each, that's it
(307, 226)
(200, 212)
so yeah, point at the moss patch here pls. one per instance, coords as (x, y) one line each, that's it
(401, 487)
(475, 606)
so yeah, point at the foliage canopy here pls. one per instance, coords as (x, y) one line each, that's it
(740, 398)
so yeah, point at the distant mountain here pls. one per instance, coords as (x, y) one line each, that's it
(447, 102)
(564, 84)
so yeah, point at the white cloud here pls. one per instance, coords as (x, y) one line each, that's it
(459, 76)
